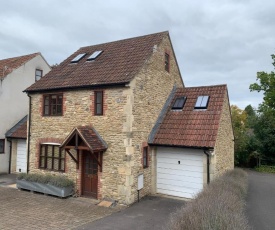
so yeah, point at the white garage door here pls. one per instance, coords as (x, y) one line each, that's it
(179, 171)
(21, 162)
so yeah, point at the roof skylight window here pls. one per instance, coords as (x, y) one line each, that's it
(179, 103)
(78, 58)
(202, 102)
(94, 55)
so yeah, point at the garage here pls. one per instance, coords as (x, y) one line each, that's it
(21, 160)
(179, 171)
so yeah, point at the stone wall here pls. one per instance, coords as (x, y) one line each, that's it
(151, 89)
(224, 148)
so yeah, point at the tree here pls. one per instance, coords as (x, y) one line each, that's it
(267, 86)
(264, 124)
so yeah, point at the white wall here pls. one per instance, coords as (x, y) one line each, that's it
(14, 104)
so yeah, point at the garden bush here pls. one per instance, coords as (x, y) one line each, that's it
(56, 180)
(220, 206)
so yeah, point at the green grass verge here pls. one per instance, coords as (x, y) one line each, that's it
(266, 168)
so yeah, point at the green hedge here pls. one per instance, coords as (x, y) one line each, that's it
(266, 168)
(56, 180)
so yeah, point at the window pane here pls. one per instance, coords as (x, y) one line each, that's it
(46, 100)
(98, 97)
(46, 110)
(49, 163)
(56, 164)
(59, 110)
(56, 151)
(60, 100)
(53, 109)
(2, 144)
(62, 166)
(42, 162)
(43, 151)
(99, 109)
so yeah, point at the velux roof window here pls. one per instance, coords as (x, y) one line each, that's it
(78, 58)
(179, 103)
(94, 55)
(202, 102)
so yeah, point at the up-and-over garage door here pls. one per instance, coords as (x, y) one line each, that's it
(179, 171)
(21, 162)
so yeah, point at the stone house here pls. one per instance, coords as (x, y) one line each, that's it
(91, 116)
(16, 74)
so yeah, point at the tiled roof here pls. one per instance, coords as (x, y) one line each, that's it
(90, 137)
(19, 130)
(117, 64)
(190, 127)
(9, 64)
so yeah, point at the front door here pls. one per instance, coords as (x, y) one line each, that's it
(90, 176)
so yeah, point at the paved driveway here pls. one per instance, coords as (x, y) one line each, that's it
(26, 210)
(150, 213)
(261, 200)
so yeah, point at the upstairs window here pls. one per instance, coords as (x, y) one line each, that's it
(38, 74)
(2, 145)
(52, 158)
(98, 103)
(145, 157)
(179, 103)
(167, 62)
(53, 105)
(202, 102)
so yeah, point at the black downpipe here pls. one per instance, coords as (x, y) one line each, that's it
(10, 155)
(208, 165)
(29, 134)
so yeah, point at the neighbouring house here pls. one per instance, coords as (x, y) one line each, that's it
(15, 75)
(92, 116)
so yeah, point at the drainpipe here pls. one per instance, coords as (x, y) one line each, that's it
(206, 152)
(29, 134)
(10, 155)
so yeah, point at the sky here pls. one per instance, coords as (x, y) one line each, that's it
(215, 41)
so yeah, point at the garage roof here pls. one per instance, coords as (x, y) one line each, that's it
(19, 130)
(189, 126)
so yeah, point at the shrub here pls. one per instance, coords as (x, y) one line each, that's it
(56, 180)
(266, 168)
(219, 206)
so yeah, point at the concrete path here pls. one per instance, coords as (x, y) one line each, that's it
(150, 213)
(261, 200)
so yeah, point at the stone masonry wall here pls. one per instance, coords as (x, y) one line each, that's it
(78, 110)
(224, 148)
(151, 89)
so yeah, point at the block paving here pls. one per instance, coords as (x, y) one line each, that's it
(27, 210)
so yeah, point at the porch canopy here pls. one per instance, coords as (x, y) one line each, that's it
(84, 138)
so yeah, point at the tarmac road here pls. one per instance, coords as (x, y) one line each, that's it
(261, 200)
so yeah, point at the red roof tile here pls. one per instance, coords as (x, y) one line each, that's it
(19, 130)
(89, 136)
(9, 64)
(190, 127)
(117, 64)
